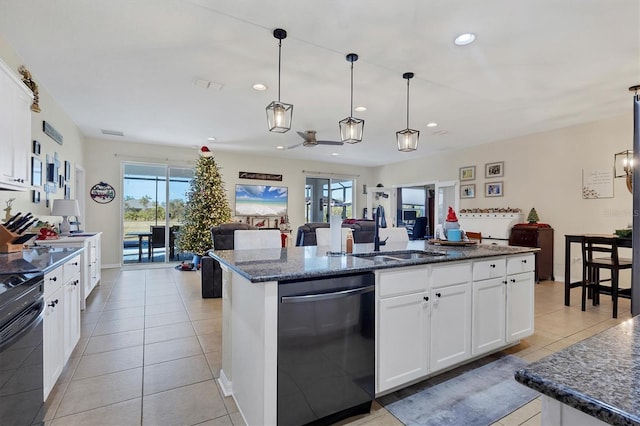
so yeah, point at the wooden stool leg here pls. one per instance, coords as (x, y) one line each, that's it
(614, 291)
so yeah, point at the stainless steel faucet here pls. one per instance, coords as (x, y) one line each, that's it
(380, 222)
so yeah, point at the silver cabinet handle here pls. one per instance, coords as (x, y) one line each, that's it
(326, 296)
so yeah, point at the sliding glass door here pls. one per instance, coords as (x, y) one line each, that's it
(325, 197)
(154, 197)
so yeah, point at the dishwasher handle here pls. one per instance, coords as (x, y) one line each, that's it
(327, 296)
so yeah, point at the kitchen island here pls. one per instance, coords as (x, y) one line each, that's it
(593, 382)
(436, 307)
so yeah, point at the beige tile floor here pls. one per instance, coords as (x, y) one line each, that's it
(150, 351)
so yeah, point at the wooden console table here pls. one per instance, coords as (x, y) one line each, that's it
(577, 239)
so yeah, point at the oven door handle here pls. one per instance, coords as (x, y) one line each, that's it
(21, 329)
(327, 296)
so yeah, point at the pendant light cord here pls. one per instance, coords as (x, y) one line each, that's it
(408, 103)
(279, 64)
(351, 89)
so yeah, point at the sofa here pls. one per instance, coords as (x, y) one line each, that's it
(211, 273)
(363, 231)
(306, 235)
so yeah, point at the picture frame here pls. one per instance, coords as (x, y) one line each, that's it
(467, 173)
(35, 147)
(36, 171)
(468, 191)
(35, 196)
(494, 189)
(60, 181)
(260, 222)
(67, 192)
(261, 200)
(67, 170)
(494, 170)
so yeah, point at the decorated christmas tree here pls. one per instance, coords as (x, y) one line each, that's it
(207, 206)
(533, 216)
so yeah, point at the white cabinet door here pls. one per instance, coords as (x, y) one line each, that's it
(71, 314)
(53, 339)
(488, 326)
(94, 264)
(450, 325)
(520, 300)
(402, 340)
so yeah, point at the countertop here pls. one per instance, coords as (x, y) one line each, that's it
(599, 376)
(262, 265)
(36, 259)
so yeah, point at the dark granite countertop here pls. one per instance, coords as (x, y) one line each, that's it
(599, 376)
(36, 259)
(310, 262)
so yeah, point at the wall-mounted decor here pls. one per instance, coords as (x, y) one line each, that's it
(32, 85)
(51, 132)
(102, 193)
(60, 181)
(260, 222)
(35, 147)
(494, 170)
(597, 183)
(468, 173)
(35, 196)
(468, 191)
(53, 166)
(494, 189)
(67, 170)
(261, 200)
(36, 171)
(67, 192)
(259, 176)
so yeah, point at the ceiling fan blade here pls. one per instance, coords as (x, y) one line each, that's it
(295, 146)
(330, 143)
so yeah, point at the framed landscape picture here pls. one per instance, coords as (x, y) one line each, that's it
(468, 191)
(468, 173)
(494, 189)
(494, 170)
(261, 200)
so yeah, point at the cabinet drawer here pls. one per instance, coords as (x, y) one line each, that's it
(521, 263)
(491, 268)
(71, 268)
(449, 274)
(402, 281)
(53, 281)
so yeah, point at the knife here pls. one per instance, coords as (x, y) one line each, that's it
(27, 226)
(8, 222)
(18, 223)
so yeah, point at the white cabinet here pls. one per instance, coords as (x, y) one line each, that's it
(402, 327)
(488, 325)
(15, 130)
(520, 297)
(61, 325)
(90, 259)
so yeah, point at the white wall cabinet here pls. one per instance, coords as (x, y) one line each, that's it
(61, 325)
(15, 130)
(402, 322)
(90, 259)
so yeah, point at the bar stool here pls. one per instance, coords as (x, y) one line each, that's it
(591, 267)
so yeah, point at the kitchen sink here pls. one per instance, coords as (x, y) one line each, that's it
(399, 256)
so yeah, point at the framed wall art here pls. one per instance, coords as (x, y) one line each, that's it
(494, 170)
(35, 147)
(261, 200)
(494, 189)
(468, 191)
(35, 196)
(36, 171)
(67, 170)
(468, 173)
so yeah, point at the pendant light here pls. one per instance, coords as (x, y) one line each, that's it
(351, 128)
(279, 113)
(407, 138)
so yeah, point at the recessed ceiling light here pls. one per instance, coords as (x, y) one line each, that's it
(211, 139)
(260, 87)
(279, 147)
(440, 132)
(464, 39)
(360, 108)
(335, 154)
(432, 124)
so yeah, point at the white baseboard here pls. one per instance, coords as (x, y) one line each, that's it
(225, 384)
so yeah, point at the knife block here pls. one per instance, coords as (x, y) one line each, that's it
(6, 238)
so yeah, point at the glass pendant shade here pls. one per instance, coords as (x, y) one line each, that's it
(407, 140)
(351, 130)
(279, 116)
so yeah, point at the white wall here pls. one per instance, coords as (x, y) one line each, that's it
(104, 163)
(543, 171)
(71, 150)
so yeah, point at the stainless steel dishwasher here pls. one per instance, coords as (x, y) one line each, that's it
(326, 349)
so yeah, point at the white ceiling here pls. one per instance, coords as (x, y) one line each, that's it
(130, 66)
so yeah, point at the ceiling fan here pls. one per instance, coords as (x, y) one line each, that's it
(310, 140)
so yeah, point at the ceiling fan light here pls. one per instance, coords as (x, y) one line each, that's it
(351, 130)
(279, 116)
(407, 140)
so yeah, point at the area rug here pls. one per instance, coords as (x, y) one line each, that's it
(479, 393)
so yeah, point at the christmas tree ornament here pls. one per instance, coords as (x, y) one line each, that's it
(451, 222)
(533, 216)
